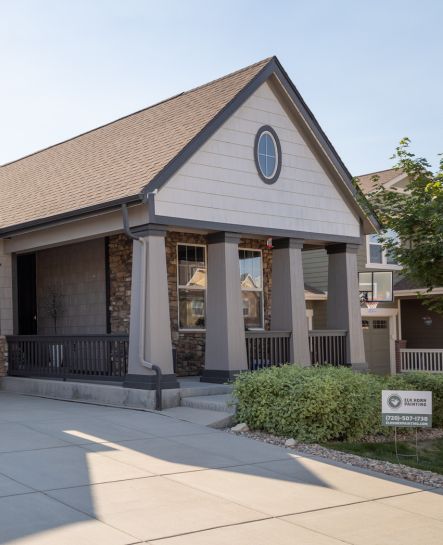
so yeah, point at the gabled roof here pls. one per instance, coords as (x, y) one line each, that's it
(113, 162)
(117, 162)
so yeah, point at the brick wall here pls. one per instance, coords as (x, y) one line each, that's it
(3, 356)
(190, 346)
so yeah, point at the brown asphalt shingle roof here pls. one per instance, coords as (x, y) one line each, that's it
(384, 176)
(114, 161)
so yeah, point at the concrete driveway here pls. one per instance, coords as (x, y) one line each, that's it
(75, 474)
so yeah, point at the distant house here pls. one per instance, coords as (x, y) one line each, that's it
(400, 333)
(223, 188)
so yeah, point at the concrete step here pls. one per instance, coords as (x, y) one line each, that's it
(221, 402)
(203, 417)
(191, 386)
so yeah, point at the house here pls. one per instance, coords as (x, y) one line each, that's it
(400, 333)
(171, 241)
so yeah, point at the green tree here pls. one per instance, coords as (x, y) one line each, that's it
(416, 215)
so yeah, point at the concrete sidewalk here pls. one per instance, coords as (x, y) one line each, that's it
(77, 474)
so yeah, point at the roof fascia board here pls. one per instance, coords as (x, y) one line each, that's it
(324, 144)
(421, 291)
(217, 121)
(395, 180)
(272, 67)
(66, 216)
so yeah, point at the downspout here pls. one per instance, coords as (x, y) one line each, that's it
(141, 344)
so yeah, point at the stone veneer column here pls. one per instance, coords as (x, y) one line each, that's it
(225, 354)
(149, 267)
(288, 306)
(343, 306)
(6, 305)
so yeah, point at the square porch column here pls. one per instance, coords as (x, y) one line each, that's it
(150, 313)
(225, 354)
(288, 306)
(343, 306)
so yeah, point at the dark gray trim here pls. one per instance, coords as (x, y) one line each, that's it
(216, 122)
(272, 67)
(325, 143)
(59, 218)
(149, 382)
(219, 376)
(151, 229)
(283, 243)
(250, 229)
(223, 236)
(342, 248)
(261, 130)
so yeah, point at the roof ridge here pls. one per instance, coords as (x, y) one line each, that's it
(239, 71)
(263, 61)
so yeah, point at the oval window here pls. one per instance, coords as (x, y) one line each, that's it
(267, 154)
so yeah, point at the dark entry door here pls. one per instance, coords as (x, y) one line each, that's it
(26, 295)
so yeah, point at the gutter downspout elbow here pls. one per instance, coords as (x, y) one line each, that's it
(141, 345)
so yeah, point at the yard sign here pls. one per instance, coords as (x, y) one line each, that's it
(406, 408)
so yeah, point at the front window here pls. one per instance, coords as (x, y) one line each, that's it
(191, 285)
(377, 255)
(251, 279)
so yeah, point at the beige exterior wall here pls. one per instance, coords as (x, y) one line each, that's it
(220, 183)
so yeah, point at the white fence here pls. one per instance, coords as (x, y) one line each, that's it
(421, 359)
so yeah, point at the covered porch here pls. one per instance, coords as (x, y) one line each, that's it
(100, 309)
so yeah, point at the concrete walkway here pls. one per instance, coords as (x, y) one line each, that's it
(76, 474)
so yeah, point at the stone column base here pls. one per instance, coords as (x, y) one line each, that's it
(149, 382)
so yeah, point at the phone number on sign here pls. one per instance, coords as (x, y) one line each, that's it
(406, 418)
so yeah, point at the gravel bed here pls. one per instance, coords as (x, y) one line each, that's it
(401, 471)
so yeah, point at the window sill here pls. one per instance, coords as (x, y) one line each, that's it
(384, 266)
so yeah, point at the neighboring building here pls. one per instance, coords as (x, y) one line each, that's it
(225, 185)
(400, 334)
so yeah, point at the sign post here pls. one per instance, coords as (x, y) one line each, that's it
(406, 409)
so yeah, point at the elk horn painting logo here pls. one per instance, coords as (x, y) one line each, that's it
(394, 401)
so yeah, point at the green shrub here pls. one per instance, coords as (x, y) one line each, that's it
(324, 403)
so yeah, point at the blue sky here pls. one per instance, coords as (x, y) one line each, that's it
(370, 71)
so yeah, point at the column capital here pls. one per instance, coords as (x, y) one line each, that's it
(223, 236)
(281, 243)
(150, 229)
(342, 248)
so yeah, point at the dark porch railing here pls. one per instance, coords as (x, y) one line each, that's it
(266, 348)
(328, 346)
(103, 357)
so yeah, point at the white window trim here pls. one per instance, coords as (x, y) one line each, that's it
(277, 158)
(179, 287)
(384, 265)
(261, 290)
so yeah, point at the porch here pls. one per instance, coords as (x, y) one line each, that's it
(105, 357)
(101, 310)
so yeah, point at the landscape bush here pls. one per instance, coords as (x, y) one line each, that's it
(323, 403)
